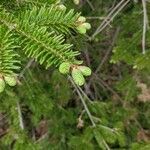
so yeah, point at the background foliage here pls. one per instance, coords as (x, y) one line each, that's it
(46, 111)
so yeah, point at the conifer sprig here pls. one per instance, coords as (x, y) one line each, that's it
(47, 48)
(38, 31)
(53, 18)
(9, 61)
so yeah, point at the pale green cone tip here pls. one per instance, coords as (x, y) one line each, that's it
(81, 29)
(78, 77)
(76, 2)
(64, 68)
(81, 19)
(10, 80)
(2, 85)
(87, 25)
(86, 71)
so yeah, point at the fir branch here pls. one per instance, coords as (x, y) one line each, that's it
(52, 17)
(47, 48)
(145, 26)
(9, 62)
(41, 2)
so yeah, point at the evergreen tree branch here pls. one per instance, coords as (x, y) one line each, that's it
(9, 61)
(52, 17)
(47, 48)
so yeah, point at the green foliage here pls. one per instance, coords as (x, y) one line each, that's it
(38, 33)
(140, 146)
(37, 43)
(131, 28)
(53, 18)
(128, 87)
(45, 111)
(9, 61)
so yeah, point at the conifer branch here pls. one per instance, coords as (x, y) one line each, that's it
(47, 48)
(9, 59)
(53, 18)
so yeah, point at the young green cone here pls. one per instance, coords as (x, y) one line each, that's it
(10, 80)
(2, 85)
(78, 77)
(64, 68)
(81, 19)
(86, 71)
(87, 25)
(81, 29)
(76, 2)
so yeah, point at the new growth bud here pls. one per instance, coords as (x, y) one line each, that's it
(2, 85)
(64, 68)
(10, 80)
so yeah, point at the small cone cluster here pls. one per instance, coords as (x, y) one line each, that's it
(76, 2)
(10, 80)
(61, 7)
(77, 72)
(83, 26)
